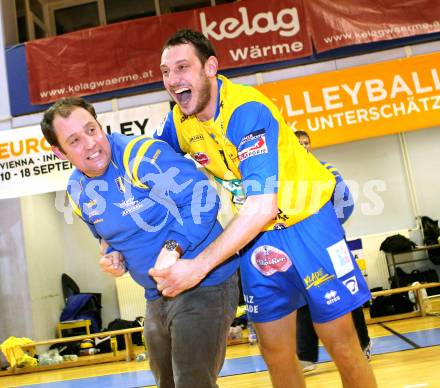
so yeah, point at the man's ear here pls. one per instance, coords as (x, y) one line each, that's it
(211, 66)
(58, 153)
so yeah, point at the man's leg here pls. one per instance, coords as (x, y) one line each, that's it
(199, 322)
(277, 342)
(340, 339)
(158, 341)
(306, 337)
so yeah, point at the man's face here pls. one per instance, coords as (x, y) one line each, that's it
(82, 142)
(305, 142)
(187, 81)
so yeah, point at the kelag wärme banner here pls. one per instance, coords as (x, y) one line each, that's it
(340, 23)
(244, 33)
(127, 54)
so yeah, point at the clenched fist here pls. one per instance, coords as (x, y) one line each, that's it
(113, 263)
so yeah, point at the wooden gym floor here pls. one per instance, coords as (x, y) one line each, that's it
(406, 354)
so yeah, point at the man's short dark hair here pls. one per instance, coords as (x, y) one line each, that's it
(203, 46)
(63, 108)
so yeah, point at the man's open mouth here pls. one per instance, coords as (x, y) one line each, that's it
(94, 155)
(183, 95)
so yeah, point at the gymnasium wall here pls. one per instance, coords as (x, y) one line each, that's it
(15, 292)
(376, 165)
(56, 245)
(381, 173)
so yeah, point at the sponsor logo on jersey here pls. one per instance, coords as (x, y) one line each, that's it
(258, 148)
(252, 136)
(155, 156)
(250, 304)
(281, 215)
(201, 157)
(129, 206)
(332, 297)
(268, 260)
(196, 138)
(341, 258)
(94, 213)
(316, 279)
(98, 220)
(279, 226)
(351, 284)
(91, 203)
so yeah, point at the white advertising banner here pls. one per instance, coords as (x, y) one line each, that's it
(28, 166)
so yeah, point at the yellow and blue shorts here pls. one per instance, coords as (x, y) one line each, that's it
(306, 263)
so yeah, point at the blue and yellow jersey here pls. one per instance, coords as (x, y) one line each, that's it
(148, 195)
(250, 150)
(342, 199)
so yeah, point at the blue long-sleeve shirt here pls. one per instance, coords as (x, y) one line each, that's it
(149, 194)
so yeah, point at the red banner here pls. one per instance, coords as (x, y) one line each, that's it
(127, 54)
(341, 23)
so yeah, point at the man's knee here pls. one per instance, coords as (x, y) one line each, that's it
(275, 351)
(339, 334)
